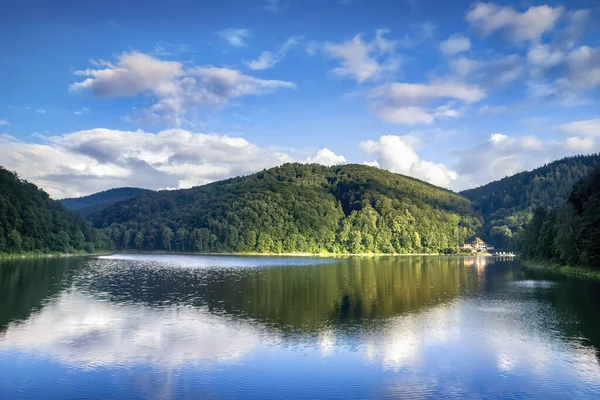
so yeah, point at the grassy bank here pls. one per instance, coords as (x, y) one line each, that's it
(563, 269)
(33, 254)
(296, 254)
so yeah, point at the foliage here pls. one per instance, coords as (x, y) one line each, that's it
(506, 205)
(32, 222)
(296, 208)
(89, 204)
(569, 234)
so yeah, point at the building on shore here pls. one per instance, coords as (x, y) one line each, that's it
(477, 246)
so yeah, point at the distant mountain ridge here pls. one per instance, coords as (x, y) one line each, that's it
(507, 204)
(87, 205)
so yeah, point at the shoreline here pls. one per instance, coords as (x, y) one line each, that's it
(568, 270)
(299, 254)
(5, 256)
(16, 256)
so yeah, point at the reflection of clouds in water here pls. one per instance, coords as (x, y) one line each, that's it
(514, 338)
(327, 341)
(534, 284)
(403, 339)
(441, 348)
(213, 261)
(80, 330)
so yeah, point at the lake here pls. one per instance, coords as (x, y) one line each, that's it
(160, 326)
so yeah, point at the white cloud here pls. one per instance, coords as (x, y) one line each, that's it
(580, 145)
(40, 111)
(89, 161)
(134, 73)
(364, 61)
(519, 27)
(397, 154)
(580, 70)
(81, 111)
(326, 157)
(177, 89)
(420, 33)
(276, 6)
(235, 37)
(541, 55)
(584, 68)
(497, 71)
(454, 45)
(165, 49)
(578, 22)
(3, 122)
(487, 109)
(312, 48)
(589, 127)
(268, 59)
(403, 103)
(502, 155)
(449, 110)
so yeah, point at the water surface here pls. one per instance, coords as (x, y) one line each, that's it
(155, 326)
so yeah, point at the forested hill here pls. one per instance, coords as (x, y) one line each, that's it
(98, 201)
(31, 221)
(569, 234)
(507, 204)
(296, 208)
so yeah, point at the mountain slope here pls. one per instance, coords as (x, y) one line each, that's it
(569, 234)
(88, 204)
(507, 204)
(296, 208)
(31, 221)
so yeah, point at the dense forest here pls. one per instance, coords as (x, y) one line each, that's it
(32, 222)
(506, 205)
(87, 205)
(296, 208)
(569, 234)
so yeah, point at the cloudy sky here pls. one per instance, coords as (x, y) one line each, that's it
(174, 94)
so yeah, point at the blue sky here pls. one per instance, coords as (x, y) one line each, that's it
(167, 95)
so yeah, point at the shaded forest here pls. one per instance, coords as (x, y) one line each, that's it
(87, 205)
(507, 205)
(568, 234)
(30, 221)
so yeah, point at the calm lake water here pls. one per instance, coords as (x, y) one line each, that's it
(152, 326)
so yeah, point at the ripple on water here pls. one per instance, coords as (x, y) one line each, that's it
(530, 283)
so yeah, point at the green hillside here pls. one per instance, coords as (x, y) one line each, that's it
(506, 205)
(89, 204)
(569, 234)
(30, 221)
(296, 208)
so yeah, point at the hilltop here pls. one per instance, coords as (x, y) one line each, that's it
(296, 208)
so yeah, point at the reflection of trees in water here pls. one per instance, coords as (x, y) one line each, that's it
(577, 299)
(349, 292)
(26, 284)
(352, 293)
